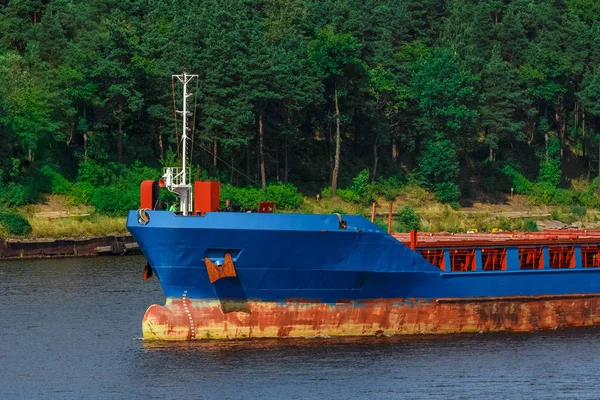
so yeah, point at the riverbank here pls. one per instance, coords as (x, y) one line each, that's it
(514, 213)
(59, 221)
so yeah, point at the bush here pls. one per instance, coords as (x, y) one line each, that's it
(389, 188)
(579, 211)
(13, 195)
(438, 169)
(492, 178)
(249, 198)
(326, 192)
(542, 193)
(59, 184)
(530, 226)
(360, 183)
(563, 197)
(28, 189)
(447, 192)
(521, 184)
(439, 163)
(409, 219)
(246, 198)
(15, 224)
(94, 173)
(588, 199)
(550, 172)
(382, 224)
(137, 173)
(81, 193)
(361, 191)
(285, 196)
(115, 200)
(348, 195)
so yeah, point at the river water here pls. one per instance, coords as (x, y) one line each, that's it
(70, 329)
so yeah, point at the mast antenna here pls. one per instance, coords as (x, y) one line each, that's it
(176, 179)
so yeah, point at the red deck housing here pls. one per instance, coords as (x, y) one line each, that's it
(149, 194)
(207, 195)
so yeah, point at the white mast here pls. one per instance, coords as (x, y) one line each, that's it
(177, 180)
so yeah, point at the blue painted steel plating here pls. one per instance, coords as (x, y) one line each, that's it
(297, 256)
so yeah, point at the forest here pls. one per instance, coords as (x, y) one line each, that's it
(349, 98)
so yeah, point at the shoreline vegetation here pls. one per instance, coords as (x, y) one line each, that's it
(413, 208)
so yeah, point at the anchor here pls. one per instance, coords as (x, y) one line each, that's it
(216, 272)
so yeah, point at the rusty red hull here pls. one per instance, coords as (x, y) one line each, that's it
(187, 319)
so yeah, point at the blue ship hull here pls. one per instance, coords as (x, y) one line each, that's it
(309, 259)
(283, 256)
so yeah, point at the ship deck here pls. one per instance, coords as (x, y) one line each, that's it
(426, 240)
(470, 252)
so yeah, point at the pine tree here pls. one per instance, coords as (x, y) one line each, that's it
(334, 57)
(501, 99)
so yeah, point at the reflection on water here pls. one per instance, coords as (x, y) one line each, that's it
(70, 329)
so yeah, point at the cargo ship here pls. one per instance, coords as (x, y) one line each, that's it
(234, 275)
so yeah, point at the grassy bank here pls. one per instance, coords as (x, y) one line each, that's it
(515, 214)
(58, 218)
(76, 227)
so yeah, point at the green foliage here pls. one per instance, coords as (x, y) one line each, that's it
(418, 84)
(383, 224)
(588, 199)
(447, 192)
(408, 219)
(530, 226)
(59, 184)
(439, 163)
(550, 170)
(246, 198)
(360, 183)
(388, 188)
(521, 184)
(13, 195)
(349, 195)
(334, 54)
(93, 173)
(492, 178)
(15, 224)
(446, 95)
(579, 211)
(285, 196)
(81, 193)
(438, 168)
(563, 197)
(361, 191)
(541, 193)
(502, 98)
(115, 200)
(121, 194)
(326, 192)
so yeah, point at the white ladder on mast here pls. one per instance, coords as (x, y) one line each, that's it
(176, 178)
